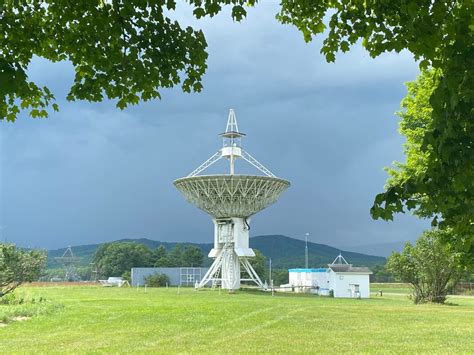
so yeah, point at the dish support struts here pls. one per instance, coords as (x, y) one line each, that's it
(231, 253)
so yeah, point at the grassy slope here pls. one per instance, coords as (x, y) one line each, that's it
(402, 288)
(125, 320)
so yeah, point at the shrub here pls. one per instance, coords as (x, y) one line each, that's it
(157, 280)
(18, 266)
(127, 275)
(11, 298)
(431, 266)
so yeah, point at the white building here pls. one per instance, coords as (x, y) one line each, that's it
(339, 278)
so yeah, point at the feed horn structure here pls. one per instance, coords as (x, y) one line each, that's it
(231, 200)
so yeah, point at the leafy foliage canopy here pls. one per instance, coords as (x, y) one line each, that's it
(157, 280)
(114, 259)
(431, 266)
(440, 34)
(414, 185)
(18, 266)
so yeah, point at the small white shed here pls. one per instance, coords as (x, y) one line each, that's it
(340, 278)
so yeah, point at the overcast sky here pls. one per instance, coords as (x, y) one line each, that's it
(92, 173)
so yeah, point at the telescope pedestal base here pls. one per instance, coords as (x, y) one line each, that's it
(226, 270)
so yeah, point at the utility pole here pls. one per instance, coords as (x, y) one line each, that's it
(306, 251)
(270, 272)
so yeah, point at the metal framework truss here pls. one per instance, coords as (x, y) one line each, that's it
(226, 259)
(217, 156)
(250, 159)
(245, 155)
(231, 195)
(69, 262)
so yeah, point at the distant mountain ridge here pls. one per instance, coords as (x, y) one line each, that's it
(284, 251)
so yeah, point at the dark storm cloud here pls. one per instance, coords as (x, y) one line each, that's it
(92, 173)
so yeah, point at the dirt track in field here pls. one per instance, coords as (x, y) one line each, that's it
(61, 283)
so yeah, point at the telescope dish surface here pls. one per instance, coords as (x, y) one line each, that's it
(225, 196)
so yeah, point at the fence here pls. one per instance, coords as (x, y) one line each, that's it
(464, 288)
(183, 276)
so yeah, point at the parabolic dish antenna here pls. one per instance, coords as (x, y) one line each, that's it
(231, 199)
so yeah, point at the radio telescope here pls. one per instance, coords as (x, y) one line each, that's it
(231, 200)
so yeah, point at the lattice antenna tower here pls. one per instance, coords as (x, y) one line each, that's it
(231, 150)
(94, 271)
(339, 260)
(69, 263)
(231, 200)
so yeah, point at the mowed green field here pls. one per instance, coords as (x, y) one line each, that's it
(96, 319)
(391, 288)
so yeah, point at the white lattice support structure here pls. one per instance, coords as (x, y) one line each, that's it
(223, 267)
(231, 122)
(231, 195)
(231, 200)
(226, 270)
(339, 260)
(253, 276)
(69, 262)
(217, 156)
(250, 159)
(213, 273)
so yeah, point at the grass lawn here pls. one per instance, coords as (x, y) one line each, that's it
(130, 320)
(391, 288)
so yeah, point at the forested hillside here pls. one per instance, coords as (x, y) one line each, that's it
(284, 251)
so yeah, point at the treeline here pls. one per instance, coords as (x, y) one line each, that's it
(381, 274)
(116, 259)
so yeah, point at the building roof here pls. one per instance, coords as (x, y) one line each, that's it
(321, 269)
(349, 268)
(339, 265)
